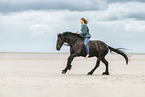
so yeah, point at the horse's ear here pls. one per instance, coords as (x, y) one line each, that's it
(59, 34)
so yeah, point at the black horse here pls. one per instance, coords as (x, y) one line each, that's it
(97, 49)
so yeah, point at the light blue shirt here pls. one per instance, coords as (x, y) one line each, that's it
(85, 31)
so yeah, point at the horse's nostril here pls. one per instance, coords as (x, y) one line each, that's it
(58, 48)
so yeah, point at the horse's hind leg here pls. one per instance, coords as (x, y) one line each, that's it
(106, 64)
(96, 66)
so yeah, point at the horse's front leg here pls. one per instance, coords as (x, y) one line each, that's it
(70, 59)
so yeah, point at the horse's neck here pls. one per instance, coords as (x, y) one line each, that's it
(71, 40)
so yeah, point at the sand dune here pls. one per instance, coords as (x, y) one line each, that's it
(39, 75)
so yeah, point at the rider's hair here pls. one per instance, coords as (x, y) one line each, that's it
(85, 20)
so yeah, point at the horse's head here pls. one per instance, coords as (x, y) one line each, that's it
(60, 41)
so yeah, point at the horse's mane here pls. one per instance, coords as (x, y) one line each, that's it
(70, 33)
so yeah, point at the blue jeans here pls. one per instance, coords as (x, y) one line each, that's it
(86, 42)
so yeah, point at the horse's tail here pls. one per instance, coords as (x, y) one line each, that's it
(118, 51)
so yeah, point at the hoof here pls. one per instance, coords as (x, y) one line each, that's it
(63, 72)
(105, 73)
(90, 73)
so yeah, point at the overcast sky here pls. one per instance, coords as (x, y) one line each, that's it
(32, 25)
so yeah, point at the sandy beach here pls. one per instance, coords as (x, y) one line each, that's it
(39, 75)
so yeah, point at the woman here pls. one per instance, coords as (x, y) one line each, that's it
(85, 34)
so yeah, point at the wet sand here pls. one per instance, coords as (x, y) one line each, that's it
(39, 75)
